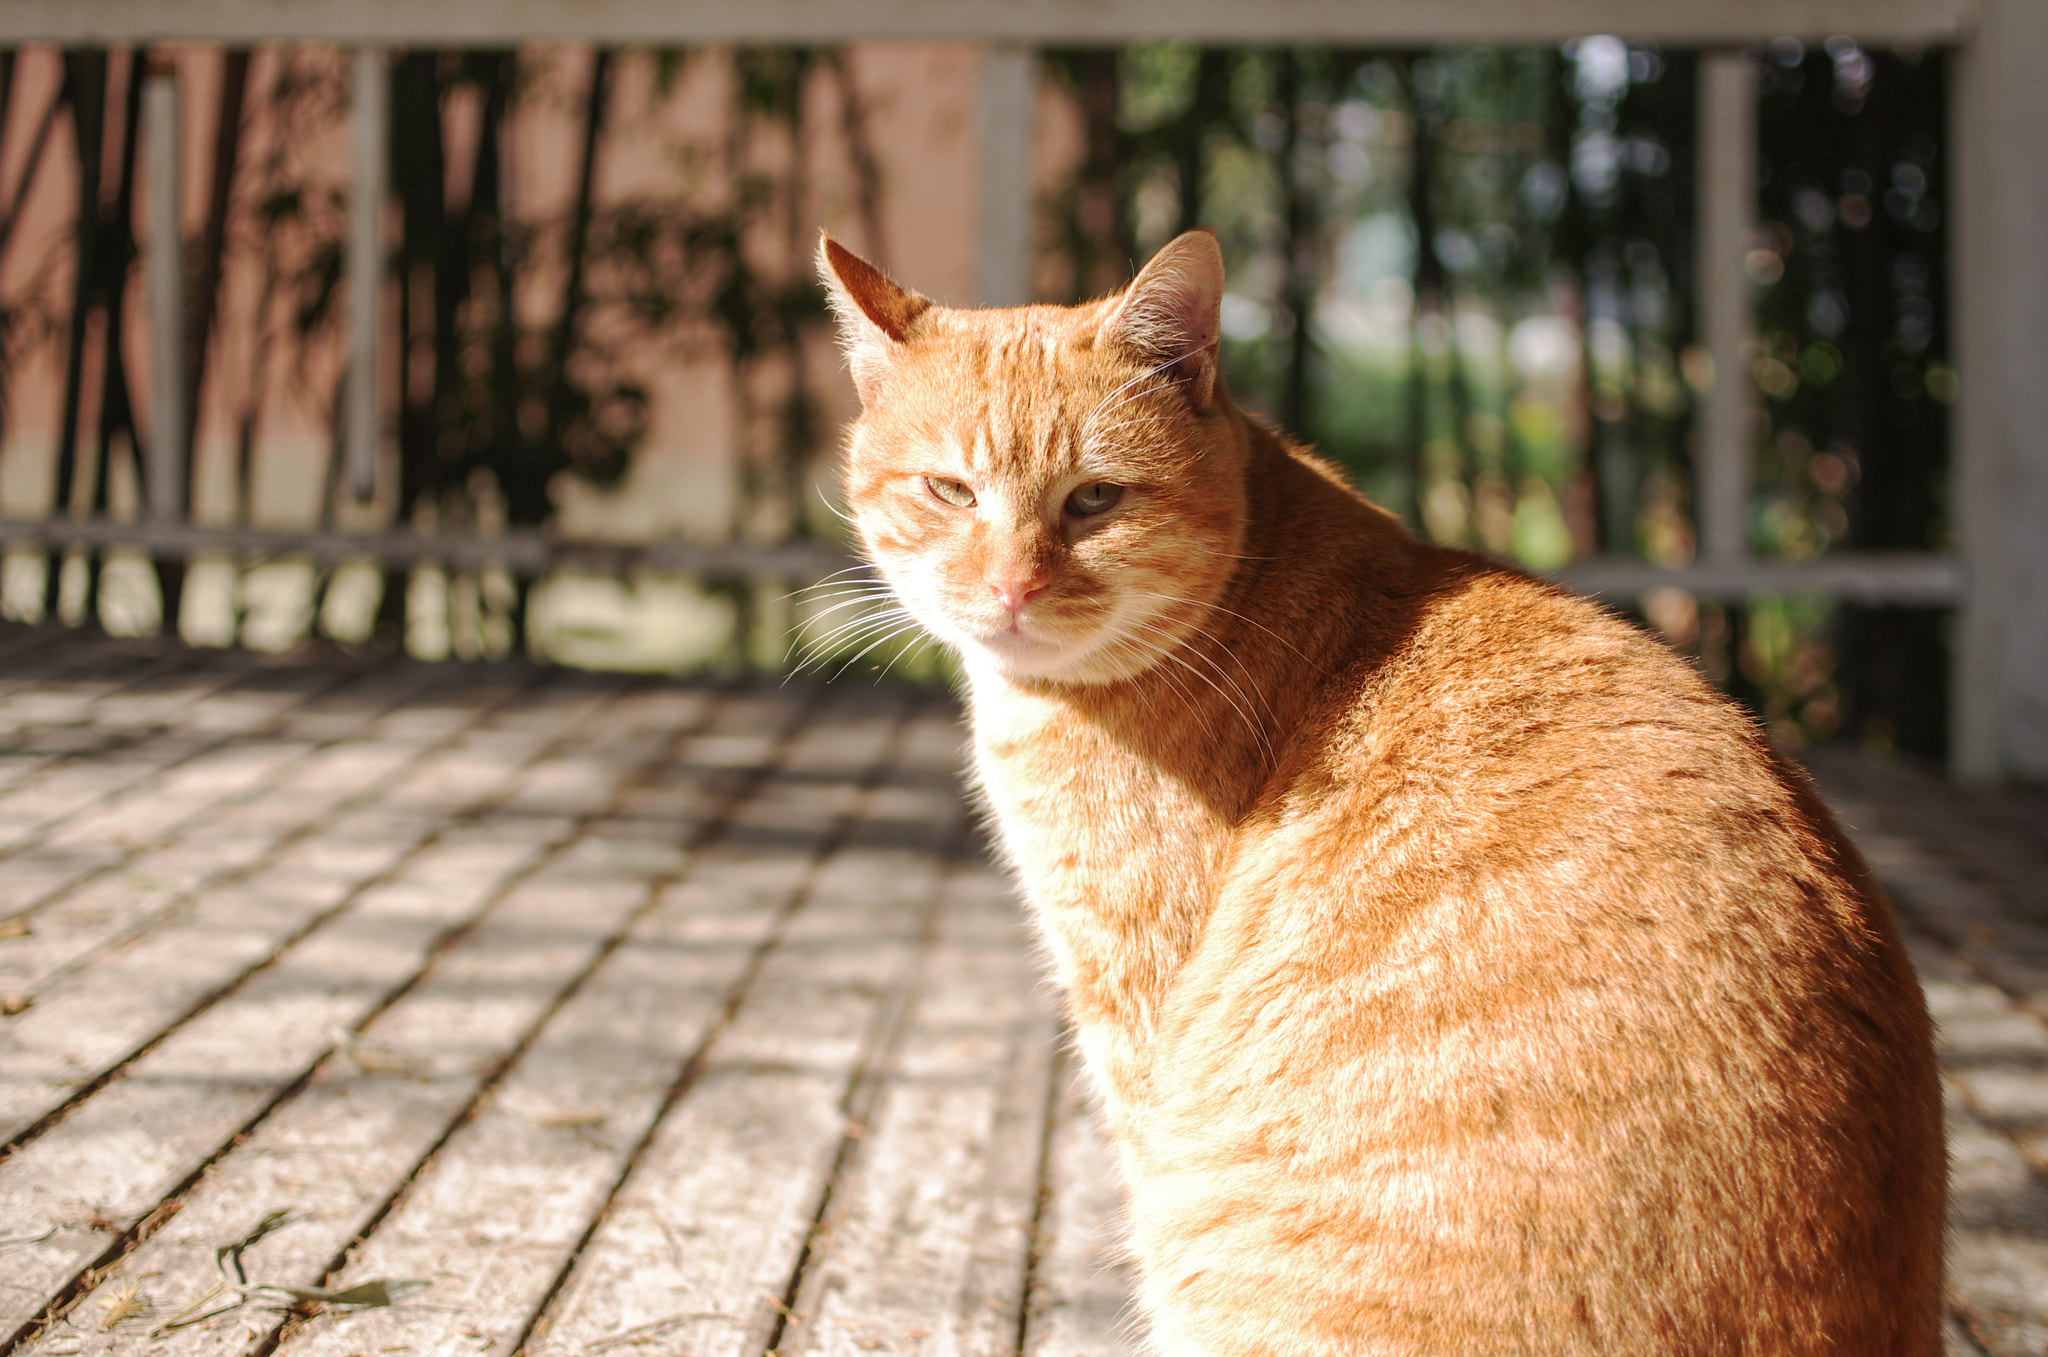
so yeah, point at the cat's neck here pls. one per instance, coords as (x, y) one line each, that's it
(1119, 802)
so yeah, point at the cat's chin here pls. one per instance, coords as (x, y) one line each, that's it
(1019, 657)
(1025, 655)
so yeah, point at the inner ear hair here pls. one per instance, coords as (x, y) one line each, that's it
(1171, 314)
(876, 314)
(881, 301)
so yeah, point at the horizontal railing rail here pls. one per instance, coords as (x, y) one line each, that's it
(529, 552)
(1910, 578)
(1896, 577)
(1689, 23)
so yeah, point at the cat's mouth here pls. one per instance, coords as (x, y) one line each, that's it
(1024, 647)
(1091, 648)
(1064, 639)
(1016, 637)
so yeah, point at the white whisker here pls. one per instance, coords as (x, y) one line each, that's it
(831, 603)
(826, 607)
(838, 512)
(1089, 419)
(854, 630)
(1240, 701)
(835, 581)
(864, 650)
(1227, 612)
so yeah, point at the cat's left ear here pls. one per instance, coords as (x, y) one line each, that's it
(1171, 314)
(875, 314)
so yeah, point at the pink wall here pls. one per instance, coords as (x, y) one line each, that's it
(266, 383)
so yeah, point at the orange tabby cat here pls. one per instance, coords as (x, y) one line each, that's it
(1460, 974)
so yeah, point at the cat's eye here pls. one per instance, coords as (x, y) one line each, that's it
(1093, 498)
(949, 492)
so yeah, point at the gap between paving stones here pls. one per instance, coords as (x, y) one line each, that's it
(1081, 1302)
(86, 908)
(187, 745)
(1962, 928)
(41, 709)
(117, 736)
(31, 785)
(24, 1115)
(505, 1176)
(928, 1231)
(444, 944)
(880, 1052)
(741, 1159)
(273, 725)
(474, 1121)
(1058, 1075)
(79, 654)
(154, 866)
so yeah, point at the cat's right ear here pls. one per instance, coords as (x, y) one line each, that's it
(1170, 316)
(875, 314)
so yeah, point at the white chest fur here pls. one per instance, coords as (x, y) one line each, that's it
(1118, 860)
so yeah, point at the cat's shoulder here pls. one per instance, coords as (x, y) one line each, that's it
(1491, 632)
(1490, 664)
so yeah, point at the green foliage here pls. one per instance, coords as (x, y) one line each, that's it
(1466, 275)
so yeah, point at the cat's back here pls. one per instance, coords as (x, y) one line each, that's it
(1488, 720)
(1538, 782)
(1535, 951)
(1534, 716)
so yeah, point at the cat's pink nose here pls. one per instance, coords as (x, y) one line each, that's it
(1015, 592)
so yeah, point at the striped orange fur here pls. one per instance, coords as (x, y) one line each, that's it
(1460, 974)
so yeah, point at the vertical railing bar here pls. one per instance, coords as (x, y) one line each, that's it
(364, 263)
(1974, 432)
(164, 272)
(1727, 212)
(1009, 85)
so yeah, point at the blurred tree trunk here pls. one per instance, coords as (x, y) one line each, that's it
(527, 497)
(1868, 253)
(117, 411)
(860, 148)
(117, 243)
(30, 163)
(6, 210)
(1096, 223)
(85, 91)
(1208, 106)
(205, 292)
(42, 134)
(1302, 263)
(227, 154)
(418, 179)
(1432, 305)
(1609, 473)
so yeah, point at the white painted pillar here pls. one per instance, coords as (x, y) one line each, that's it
(364, 264)
(164, 278)
(1727, 212)
(1999, 433)
(1009, 88)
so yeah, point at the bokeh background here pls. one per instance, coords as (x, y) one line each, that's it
(1465, 274)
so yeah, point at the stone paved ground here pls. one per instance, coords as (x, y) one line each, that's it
(1968, 874)
(588, 1014)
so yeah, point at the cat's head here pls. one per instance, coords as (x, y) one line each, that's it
(1057, 492)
